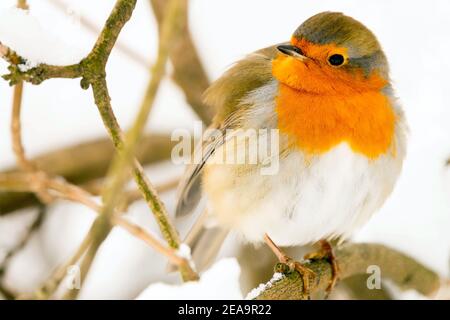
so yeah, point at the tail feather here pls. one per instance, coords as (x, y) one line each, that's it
(205, 243)
(207, 246)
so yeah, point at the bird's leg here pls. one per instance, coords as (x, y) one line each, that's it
(306, 273)
(326, 252)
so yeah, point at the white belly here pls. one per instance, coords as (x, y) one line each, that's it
(308, 200)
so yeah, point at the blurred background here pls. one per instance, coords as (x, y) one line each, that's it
(57, 114)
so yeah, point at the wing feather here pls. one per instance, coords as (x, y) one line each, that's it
(224, 95)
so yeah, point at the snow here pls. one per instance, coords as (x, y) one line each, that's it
(263, 286)
(220, 282)
(184, 251)
(23, 33)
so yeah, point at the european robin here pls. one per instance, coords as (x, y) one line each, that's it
(341, 142)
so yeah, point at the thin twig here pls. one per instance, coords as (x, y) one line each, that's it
(61, 189)
(24, 164)
(17, 145)
(67, 191)
(16, 130)
(84, 162)
(7, 293)
(188, 71)
(92, 27)
(21, 244)
(135, 195)
(47, 290)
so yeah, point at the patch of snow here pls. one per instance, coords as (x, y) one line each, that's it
(263, 286)
(24, 67)
(220, 282)
(184, 251)
(23, 33)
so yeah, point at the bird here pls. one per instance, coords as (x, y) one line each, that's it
(341, 142)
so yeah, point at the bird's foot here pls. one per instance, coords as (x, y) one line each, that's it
(307, 274)
(326, 252)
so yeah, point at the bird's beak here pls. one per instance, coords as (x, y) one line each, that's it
(291, 51)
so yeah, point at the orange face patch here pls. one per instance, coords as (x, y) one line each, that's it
(321, 105)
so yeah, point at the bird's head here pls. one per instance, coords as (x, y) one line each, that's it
(331, 53)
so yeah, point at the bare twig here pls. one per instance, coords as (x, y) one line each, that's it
(21, 244)
(24, 164)
(61, 189)
(16, 131)
(93, 28)
(82, 163)
(17, 248)
(17, 145)
(38, 74)
(189, 73)
(53, 282)
(64, 190)
(135, 195)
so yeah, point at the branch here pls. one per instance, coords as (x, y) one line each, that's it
(64, 190)
(92, 27)
(16, 133)
(126, 149)
(53, 282)
(354, 259)
(82, 163)
(35, 75)
(61, 189)
(17, 248)
(189, 73)
(356, 287)
(90, 68)
(21, 244)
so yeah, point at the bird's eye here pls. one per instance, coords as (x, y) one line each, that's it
(336, 60)
(297, 50)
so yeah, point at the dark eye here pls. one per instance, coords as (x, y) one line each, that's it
(336, 59)
(297, 49)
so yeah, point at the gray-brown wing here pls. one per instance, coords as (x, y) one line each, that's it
(224, 95)
(189, 194)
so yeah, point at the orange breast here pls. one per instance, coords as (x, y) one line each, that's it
(365, 120)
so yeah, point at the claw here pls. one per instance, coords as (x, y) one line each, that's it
(326, 252)
(307, 274)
